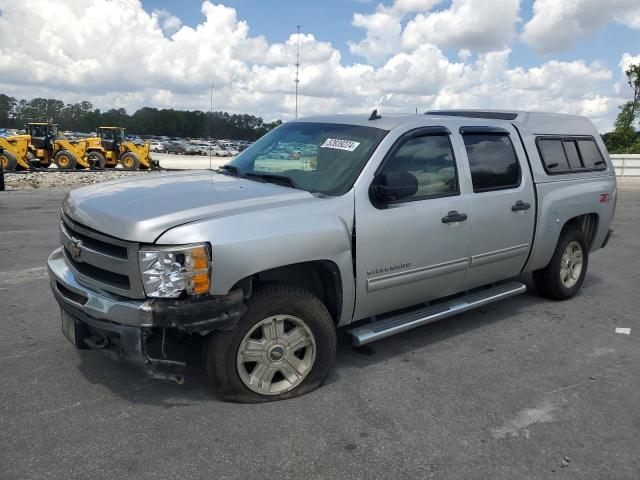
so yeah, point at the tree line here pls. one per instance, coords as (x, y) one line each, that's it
(625, 137)
(83, 117)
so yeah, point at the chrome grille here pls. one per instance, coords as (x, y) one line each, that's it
(101, 261)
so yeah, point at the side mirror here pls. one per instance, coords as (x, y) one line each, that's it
(392, 186)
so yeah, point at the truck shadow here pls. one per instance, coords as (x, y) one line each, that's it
(131, 385)
(418, 338)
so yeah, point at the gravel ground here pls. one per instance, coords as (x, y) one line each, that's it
(54, 179)
(525, 388)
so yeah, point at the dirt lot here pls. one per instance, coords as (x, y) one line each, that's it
(525, 388)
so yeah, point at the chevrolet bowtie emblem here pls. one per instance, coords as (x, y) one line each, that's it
(75, 249)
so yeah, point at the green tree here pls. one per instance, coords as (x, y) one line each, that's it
(7, 110)
(625, 138)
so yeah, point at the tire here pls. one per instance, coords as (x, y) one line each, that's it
(96, 160)
(65, 160)
(279, 304)
(9, 161)
(129, 161)
(555, 281)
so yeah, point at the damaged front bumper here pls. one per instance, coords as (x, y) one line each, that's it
(134, 331)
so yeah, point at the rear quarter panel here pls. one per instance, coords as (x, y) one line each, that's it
(558, 202)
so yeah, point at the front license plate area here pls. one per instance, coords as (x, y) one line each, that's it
(68, 327)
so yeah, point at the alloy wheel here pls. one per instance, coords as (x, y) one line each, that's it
(276, 355)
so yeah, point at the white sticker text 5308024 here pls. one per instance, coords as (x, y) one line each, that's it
(338, 144)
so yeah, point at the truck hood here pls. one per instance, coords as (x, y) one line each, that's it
(141, 208)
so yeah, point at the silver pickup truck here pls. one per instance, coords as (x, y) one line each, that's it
(375, 224)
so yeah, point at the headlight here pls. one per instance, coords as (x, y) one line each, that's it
(167, 272)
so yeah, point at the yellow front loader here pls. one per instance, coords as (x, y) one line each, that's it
(13, 153)
(46, 148)
(111, 148)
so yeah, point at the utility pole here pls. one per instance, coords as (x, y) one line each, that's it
(297, 80)
(210, 124)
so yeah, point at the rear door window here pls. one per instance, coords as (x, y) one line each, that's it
(493, 161)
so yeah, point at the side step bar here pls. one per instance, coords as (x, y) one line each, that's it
(415, 318)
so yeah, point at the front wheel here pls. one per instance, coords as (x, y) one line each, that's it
(282, 348)
(65, 160)
(563, 277)
(129, 161)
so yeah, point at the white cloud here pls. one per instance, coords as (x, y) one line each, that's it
(558, 24)
(472, 24)
(150, 63)
(384, 28)
(627, 60)
(169, 22)
(475, 25)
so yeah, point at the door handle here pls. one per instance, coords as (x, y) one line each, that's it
(520, 206)
(454, 216)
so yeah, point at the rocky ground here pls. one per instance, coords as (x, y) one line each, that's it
(64, 179)
(54, 179)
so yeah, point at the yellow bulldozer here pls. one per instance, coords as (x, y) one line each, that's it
(111, 147)
(46, 148)
(13, 153)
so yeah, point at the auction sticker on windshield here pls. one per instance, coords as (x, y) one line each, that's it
(338, 144)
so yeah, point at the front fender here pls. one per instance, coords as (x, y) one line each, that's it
(247, 243)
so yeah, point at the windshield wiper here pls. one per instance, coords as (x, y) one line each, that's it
(229, 169)
(270, 177)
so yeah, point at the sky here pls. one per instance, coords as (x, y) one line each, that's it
(398, 56)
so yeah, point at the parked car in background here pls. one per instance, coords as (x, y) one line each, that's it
(156, 146)
(192, 149)
(233, 151)
(173, 147)
(205, 148)
(224, 152)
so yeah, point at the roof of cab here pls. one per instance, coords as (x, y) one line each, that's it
(386, 122)
(534, 122)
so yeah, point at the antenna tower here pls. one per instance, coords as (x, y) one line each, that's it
(297, 80)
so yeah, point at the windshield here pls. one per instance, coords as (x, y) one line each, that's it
(318, 157)
(38, 130)
(106, 134)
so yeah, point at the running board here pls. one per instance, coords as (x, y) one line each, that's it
(408, 320)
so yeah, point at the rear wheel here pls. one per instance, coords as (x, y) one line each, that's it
(96, 160)
(563, 277)
(129, 161)
(65, 160)
(9, 161)
(282, 348)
